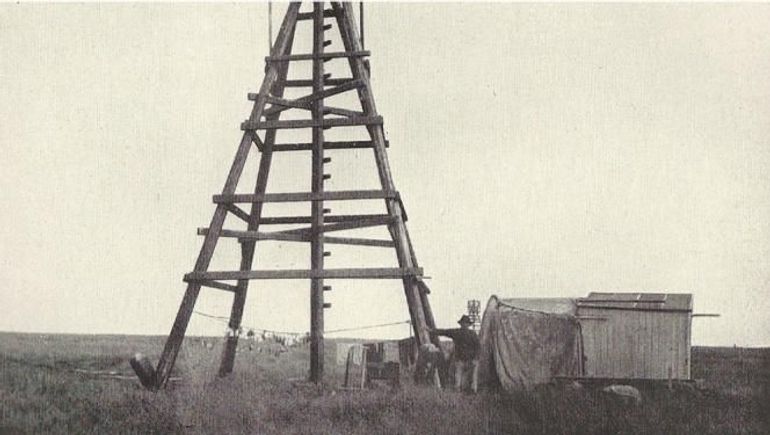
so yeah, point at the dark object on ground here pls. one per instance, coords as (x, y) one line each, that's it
(144, 370)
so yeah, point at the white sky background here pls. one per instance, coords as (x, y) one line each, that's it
(541, 150)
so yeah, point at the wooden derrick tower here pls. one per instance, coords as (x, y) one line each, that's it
(261, 131)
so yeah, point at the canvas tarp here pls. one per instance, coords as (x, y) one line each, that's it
(526, 342)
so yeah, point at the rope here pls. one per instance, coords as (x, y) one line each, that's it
(368, 327)
(226, 320)
(528, 310)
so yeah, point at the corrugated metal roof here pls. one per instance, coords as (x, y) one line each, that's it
(639, 301)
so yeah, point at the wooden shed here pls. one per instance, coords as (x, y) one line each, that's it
(636, 335)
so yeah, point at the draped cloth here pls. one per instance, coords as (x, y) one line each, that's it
(526, 342)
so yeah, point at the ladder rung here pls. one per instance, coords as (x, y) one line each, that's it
(311, 56)
(361, 273)
(308, 123)
(340, 195)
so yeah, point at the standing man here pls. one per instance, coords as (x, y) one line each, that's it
(466, 352)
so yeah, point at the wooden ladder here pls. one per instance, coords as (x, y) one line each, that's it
(260, 131)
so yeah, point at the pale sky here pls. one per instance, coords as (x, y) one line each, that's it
(540, 150)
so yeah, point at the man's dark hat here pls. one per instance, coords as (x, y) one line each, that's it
(465, 320)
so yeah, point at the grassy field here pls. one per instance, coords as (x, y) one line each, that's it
(43, 389)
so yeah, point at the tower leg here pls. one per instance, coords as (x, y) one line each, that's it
(398, 230)
(424, 290)
(236, 313)
(176, 336)
(248, 247)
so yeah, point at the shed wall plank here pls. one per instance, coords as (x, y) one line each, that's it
(636, 344)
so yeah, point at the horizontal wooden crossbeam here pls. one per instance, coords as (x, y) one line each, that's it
(285, 220)
(358, 242)
(339, 145)
(311, 56)
(259, 235)
(621, 301)
(309, 15)
(286, 236)
(339, 195)
(309, 83)
(307, 123)
(307, 146)
(359, 273)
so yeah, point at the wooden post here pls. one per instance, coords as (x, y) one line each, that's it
(248, 247)
(317, 207)
(176, 336)
(364, 371)
(345, 20)
(423, 291)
